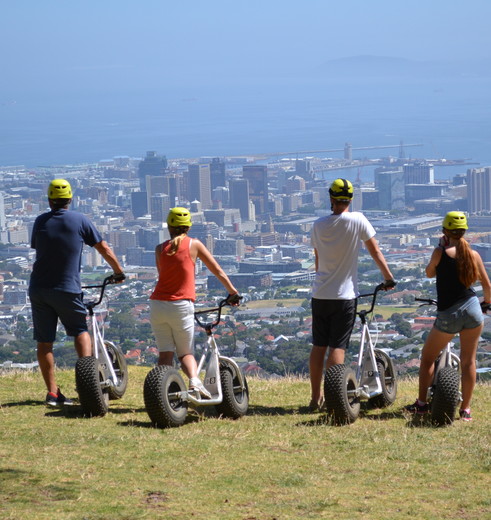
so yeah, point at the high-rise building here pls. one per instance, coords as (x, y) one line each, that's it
(239, 197)
(159, 207)
(139, 203)
(390, 185)
(257, 175)
(154, 165)
(3, 219)
(221, 197)
(199, 187)
(479, 189)
(174, 188)
(419, 173)
(217, 173)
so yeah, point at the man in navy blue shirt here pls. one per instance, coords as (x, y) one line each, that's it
(58, 237)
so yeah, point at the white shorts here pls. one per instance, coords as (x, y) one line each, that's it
(173, 325)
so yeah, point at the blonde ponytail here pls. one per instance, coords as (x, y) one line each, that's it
(176, 241)
(466, 263)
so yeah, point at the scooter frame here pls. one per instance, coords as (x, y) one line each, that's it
(167, 397)
(443, 394)
(374, 380)
(104, 375)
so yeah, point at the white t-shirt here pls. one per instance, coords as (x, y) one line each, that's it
(337, 239)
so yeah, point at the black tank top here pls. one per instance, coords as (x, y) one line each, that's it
(449, 289)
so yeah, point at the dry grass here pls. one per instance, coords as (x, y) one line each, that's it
(279, 462)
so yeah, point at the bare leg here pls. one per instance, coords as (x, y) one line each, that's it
(189, 365)
(469, 339)
(434, 344)
(166, 358)
(335, 357)
(83, 344)
(316, 367)
(46, 362)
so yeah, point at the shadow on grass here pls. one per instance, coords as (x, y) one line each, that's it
(192, 417)
(76, 412)
(276, 410)
(28, 402)
(328, 420)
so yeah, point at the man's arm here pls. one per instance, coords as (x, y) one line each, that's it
(109, 256)
(372, 246)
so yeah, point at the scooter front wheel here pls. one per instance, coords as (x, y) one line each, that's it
(120, 368)
(162, 393)
(339, 387)
(235, 397)
(388, 381)
(89, 376)
(446, 397)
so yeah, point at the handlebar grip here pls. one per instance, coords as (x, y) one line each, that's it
(233, 299)
(115, 278)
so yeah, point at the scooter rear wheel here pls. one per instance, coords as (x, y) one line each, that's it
(338, 381)
(446, 397)
(161, 390)
(235, 398)
(89, 375)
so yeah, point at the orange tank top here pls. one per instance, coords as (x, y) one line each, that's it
(176, 274)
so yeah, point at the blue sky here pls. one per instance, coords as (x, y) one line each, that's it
(64, 44)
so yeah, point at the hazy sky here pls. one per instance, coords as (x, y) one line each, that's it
(103, 43)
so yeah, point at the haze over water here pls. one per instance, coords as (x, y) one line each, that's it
(452, 119)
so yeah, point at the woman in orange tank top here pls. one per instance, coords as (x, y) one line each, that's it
(172, 301)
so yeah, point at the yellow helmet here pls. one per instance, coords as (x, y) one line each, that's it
(341, 189)
(455, 220)
(59, 189)
(178, 217)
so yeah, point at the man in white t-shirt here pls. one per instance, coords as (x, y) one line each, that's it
(337, 239)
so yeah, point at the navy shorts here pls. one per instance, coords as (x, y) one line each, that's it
(49, 305)
(465, 314)
(332, 322)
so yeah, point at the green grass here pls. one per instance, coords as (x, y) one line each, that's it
(279, 462)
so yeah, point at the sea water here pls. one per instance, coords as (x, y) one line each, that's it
(450, 118)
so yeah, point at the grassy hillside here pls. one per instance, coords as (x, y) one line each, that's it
(279, 462)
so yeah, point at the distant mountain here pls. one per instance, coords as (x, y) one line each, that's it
(385, 66)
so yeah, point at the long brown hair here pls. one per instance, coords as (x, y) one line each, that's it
(466, 263)
(177, 236)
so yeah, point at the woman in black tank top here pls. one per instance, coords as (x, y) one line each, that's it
(456, 267)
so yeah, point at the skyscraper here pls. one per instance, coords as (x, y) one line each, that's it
(257, 175)
(390, 185)
(3, 219)
(139, 203)
(479, 189)
(419, 173)
(217, 173)
(239, 197)
(153, 164)
(199, 187)
(159, 207)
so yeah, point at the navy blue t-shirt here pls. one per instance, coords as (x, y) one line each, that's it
(58, 238)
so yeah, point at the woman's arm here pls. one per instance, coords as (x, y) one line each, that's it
(214, 267)
(434, 261)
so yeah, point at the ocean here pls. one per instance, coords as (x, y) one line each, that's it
(450, 118)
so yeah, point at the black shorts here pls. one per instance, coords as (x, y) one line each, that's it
(332, 322)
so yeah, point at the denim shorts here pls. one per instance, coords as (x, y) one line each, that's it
(466, 314)
(49, 305)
